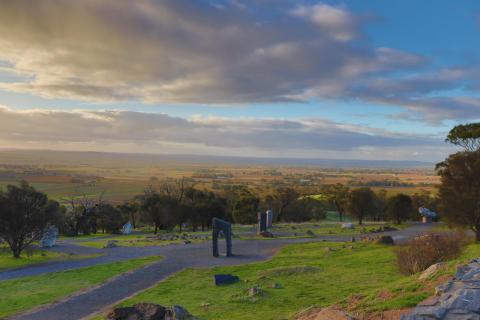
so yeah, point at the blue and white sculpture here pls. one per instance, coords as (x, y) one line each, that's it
(49, 238)
(427, 214)
(127, 228)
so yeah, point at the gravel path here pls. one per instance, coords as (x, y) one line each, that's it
(176, 258)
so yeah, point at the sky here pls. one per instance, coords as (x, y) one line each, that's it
(352, 79)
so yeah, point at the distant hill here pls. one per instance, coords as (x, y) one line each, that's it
(110, 159)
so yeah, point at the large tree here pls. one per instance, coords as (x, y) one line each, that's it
(465, 135)
(25, 214)
(337, 195)
(361, 203)
(399, 207)
(459, 191)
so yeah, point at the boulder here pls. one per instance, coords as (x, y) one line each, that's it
(111, 244)
(140, 311)
(255, 291)
(430, 271)
(178, 313)
(348, 225)
(223, 279)
(388, 240)
(266, 234)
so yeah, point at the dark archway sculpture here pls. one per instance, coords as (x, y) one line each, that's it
(226, 228)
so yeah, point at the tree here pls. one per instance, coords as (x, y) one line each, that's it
(381, 204)
(245, 208)
(459, 191)
(399, 207)
(465, 135)
(130, 210)
(337, 194)
(25, 214)
(361, 203)
(109, 218)
(281, 199)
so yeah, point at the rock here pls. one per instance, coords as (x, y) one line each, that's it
(348, 225)
(328, 249)
(187, 241)
(455, 299)
(266, 234)
(140, 311)
(255, 291)
(388, 240)
(276, 286)
(111, 244)
(223, 279)
(178, 313)
(430, 271)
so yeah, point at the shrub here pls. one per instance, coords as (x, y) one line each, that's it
(421, 252)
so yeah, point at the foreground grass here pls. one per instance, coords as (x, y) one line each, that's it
(29, 292)
(29, 257)
(362, 279)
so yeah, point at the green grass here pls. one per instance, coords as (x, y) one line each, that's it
(29, 257)
(29, 292)
(135, 240)
(309, 274)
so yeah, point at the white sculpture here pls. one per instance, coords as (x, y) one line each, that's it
(49, 238)
(127, 228)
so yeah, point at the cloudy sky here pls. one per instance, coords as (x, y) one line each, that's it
(350, 79)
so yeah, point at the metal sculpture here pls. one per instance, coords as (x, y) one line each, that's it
(225, 227)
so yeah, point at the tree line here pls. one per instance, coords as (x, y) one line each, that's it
(26, 213)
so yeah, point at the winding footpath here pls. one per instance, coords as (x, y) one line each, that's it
(175, 258)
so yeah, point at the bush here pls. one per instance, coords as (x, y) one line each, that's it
(421, 252)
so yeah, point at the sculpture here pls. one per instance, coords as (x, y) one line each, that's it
(262, 222)
(269, 218)
(427, 214)
(49, 238)
(225, 227)
(127, 228)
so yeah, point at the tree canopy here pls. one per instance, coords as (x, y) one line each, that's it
(459, 191)
(25, 214)
(466, 136)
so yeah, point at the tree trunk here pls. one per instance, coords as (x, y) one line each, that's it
(360, 220)
(477, 233)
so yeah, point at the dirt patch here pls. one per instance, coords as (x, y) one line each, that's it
(384, 295)
(330, 313)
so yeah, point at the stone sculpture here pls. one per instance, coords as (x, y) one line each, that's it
(127, 228)
(269, 218)
(225, 227)
(49, 238)
(262, 222)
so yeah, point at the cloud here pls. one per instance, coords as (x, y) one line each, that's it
(218, 52)
(185, 51)
(160, 133)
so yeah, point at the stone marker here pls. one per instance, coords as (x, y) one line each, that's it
(222, 279)
(49, 238)
(127, 228)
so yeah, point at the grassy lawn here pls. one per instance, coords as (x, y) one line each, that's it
(138, 240)
(26, 293)
(7, 261)
(308, 274)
